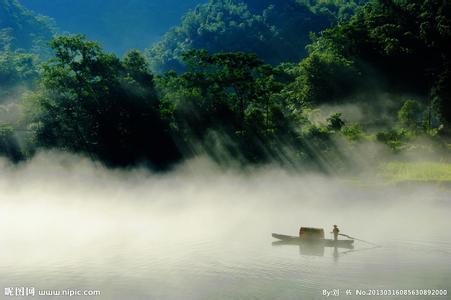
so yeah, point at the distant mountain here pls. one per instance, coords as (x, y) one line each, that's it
(276, 30)
(118, 25)
(20, 28)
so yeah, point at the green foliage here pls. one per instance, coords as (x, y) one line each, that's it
(276, 33)
(16, 69)
(325, 77)
(22, 29)
(427, 171)
(397, 46)
(237, 105)
(94, 103)
(230, 93)
(335, 122)
(335, 9)
(441, 95)
(410, 115)
(23, 39)
(353, 132)
(8, 143)
(395, 139)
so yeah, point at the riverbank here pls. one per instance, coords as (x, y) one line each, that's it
(416, 172)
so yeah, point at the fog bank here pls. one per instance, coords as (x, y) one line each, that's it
(200, 231)
(200, 197)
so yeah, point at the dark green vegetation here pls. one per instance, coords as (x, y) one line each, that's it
(276, 31)
(394, 46)
(226, 104)
(23, 40)
(94, 103)
(21, 29)
(251, 85)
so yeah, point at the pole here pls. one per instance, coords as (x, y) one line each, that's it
(345, 235)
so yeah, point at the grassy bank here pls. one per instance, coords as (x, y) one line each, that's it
(416, 171)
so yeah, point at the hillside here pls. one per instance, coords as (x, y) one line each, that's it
(373, 76)
(277, 31)
(20, 28)
(24, 38)
(118, 25)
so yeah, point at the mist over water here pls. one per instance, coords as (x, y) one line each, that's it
(201, 232)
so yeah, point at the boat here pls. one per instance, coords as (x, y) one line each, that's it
(322, 242)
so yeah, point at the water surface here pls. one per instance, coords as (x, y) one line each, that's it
(207, 235)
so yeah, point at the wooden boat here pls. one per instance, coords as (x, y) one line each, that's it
(295, 240)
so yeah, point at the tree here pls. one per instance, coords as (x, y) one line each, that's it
(8, 144)
(441, 95)
(326, 77)
(410, 114)
(276, 31)
(22, 29)
(335, 122)
(95, 103)
(394, 47)
(232, 94)
(16, 69)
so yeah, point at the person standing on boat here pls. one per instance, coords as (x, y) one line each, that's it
(335, 231)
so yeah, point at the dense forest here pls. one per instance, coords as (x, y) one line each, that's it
(276, 31)
(246, 82)
(22, 29)
(24, 38)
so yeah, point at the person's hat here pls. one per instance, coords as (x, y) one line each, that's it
(335, 225)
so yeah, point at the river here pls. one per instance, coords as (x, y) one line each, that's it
(203, 233)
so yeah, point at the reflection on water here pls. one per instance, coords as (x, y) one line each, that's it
(137, 236)
(304, 249)
(314, 249)
(311, 249)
